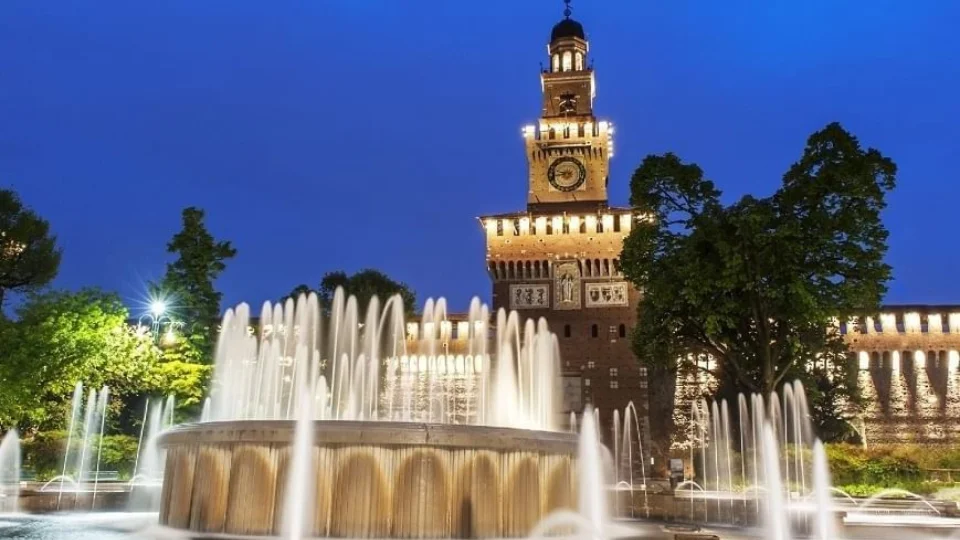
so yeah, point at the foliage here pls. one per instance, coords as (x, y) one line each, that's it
(757, 284)
(189, 281)
(29, 257)
(59, 338)
(364, 285)
(43, 453)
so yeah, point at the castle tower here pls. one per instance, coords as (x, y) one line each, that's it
(559, 258)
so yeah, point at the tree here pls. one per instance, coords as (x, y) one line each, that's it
(189, 280)
(29, 257)
(58, 339)
(364, 285)
(757, 284)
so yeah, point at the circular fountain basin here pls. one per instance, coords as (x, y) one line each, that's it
(373, 479)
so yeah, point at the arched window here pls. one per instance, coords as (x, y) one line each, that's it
(622, 330)
(566, 330)
(567, 61)
(552, 134)
(594, 331)
(578, 62)
(556, 62)
(583, 226)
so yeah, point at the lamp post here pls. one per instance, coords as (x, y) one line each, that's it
(157, 316)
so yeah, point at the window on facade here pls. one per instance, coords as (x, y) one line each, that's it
(565, 227)
(566, 132)
(614, 384)
(591, 364)
(552, 134)
(616, 223)
(612, 332)
(566, 330)
(622, 330)
(567, 61)
(600, 225)
(556, 62)
(613, 372)
(583, 226)
(578, 62)
(516, 227)
(586, 382)
(499, 227)
(594, 331)
(549, 226)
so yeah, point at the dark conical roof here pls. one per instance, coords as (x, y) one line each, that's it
(567, 28)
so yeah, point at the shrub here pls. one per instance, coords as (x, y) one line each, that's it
(44, 452)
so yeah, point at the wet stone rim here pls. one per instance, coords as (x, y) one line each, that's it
(384, 434)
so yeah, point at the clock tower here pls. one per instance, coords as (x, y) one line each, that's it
(568, 150)
(559, 258)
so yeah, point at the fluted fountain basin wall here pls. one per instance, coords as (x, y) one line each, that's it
(373, 479)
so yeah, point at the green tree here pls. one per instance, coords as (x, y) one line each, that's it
(364, 284)
(757, 284)
(189, 281)
(59, 338)
(29, 257)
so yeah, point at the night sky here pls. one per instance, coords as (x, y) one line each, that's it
(322, 135)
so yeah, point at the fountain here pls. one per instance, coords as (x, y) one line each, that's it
(9, 472)
(339, 423)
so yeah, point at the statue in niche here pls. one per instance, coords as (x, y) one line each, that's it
(566, 289)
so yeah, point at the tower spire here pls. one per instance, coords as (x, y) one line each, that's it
(566, 9)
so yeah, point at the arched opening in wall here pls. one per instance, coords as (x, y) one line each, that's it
(580, 130)
(503, 270)
(600, 225)
(566, 330)
(549, 226)
(596, 267)
(516, 227)
(566, 132)
(545, 265)
(622, 330)
(511, 270)
(556, 62)
(567, 61)
(583, 226)
(578, 62)
(552, 134)
(594, 331)
(616, 267)
(528, 270)
(565, 226)
(492, 267)
(616, 223)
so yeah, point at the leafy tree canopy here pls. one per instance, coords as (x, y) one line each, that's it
(756, 284)
(364, 285)
(60, 338)
(189, 280)
(29, 257)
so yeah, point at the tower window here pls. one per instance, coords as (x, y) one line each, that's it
(499, 227)
(622, 330)
(613, 372)
(567, 61)
(556, 62)
(578, 62)
(566, 330)
(594, 331)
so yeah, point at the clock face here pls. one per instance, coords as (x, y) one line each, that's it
(566, 174)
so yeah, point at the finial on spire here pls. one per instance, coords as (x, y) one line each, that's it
(566, 9)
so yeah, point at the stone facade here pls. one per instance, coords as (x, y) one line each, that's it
(559, 258)
(908, 373)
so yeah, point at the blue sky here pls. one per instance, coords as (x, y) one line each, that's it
(343, 134)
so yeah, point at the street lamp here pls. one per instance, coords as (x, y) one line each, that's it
(157, 316)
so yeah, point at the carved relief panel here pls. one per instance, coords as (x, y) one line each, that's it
(606, 294)
(529, 296)
(566, 284)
